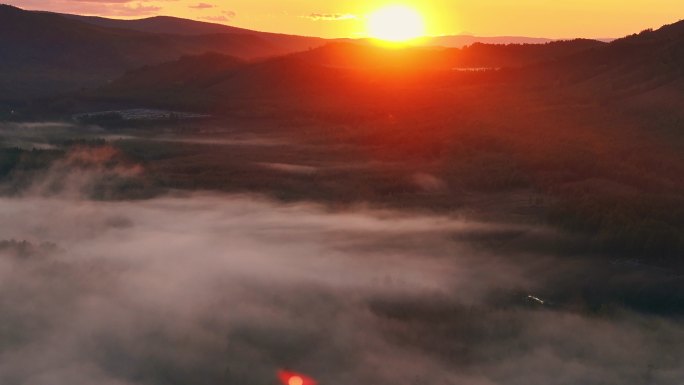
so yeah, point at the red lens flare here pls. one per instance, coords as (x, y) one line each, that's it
(293, 378)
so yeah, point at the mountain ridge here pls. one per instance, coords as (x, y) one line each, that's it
(64, 54)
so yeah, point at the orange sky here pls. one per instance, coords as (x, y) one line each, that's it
(330, 18)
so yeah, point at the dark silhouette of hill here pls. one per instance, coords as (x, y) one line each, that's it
(331, 71)
(161, 24)
(637, 71)
(179, 26)
(476, 56)
(181, 83)
(43, 53)
(642, 73)
(46, 53)
(213, 81)
(283, 43)
(460, 41)
(631, 64)
(184, 71)
(366, 57)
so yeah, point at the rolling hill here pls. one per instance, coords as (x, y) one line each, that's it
(281, 43)
(348, 71)
(475, 56)
(43, 53)
(161, 24)
(460, 41)
(178, 26)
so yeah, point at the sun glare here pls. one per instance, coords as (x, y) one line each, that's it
(396, 24)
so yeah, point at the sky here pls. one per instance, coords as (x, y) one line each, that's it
(328, 18)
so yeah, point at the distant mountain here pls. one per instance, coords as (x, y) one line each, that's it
(184, 71)
(336, 73)
(475, 56)
(650, 62)
(160, 24)
(459, 41)
(44, 53)
(341, 58)
(647, 62)
(642, 73)
(177, 26)
(210, 82)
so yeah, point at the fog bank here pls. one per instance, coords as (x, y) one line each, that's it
(212, 289)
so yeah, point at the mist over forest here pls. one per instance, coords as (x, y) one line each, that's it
(204, 288)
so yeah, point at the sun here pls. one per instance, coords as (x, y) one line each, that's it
(396, 23)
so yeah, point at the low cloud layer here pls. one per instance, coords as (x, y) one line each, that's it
(202, 6)
(331, 16)
(208, 289)
(225, 16)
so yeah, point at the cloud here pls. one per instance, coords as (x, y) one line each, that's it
(205, 288)
(331, 16)
(138, 10)
(203, 6)
(226, 16)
